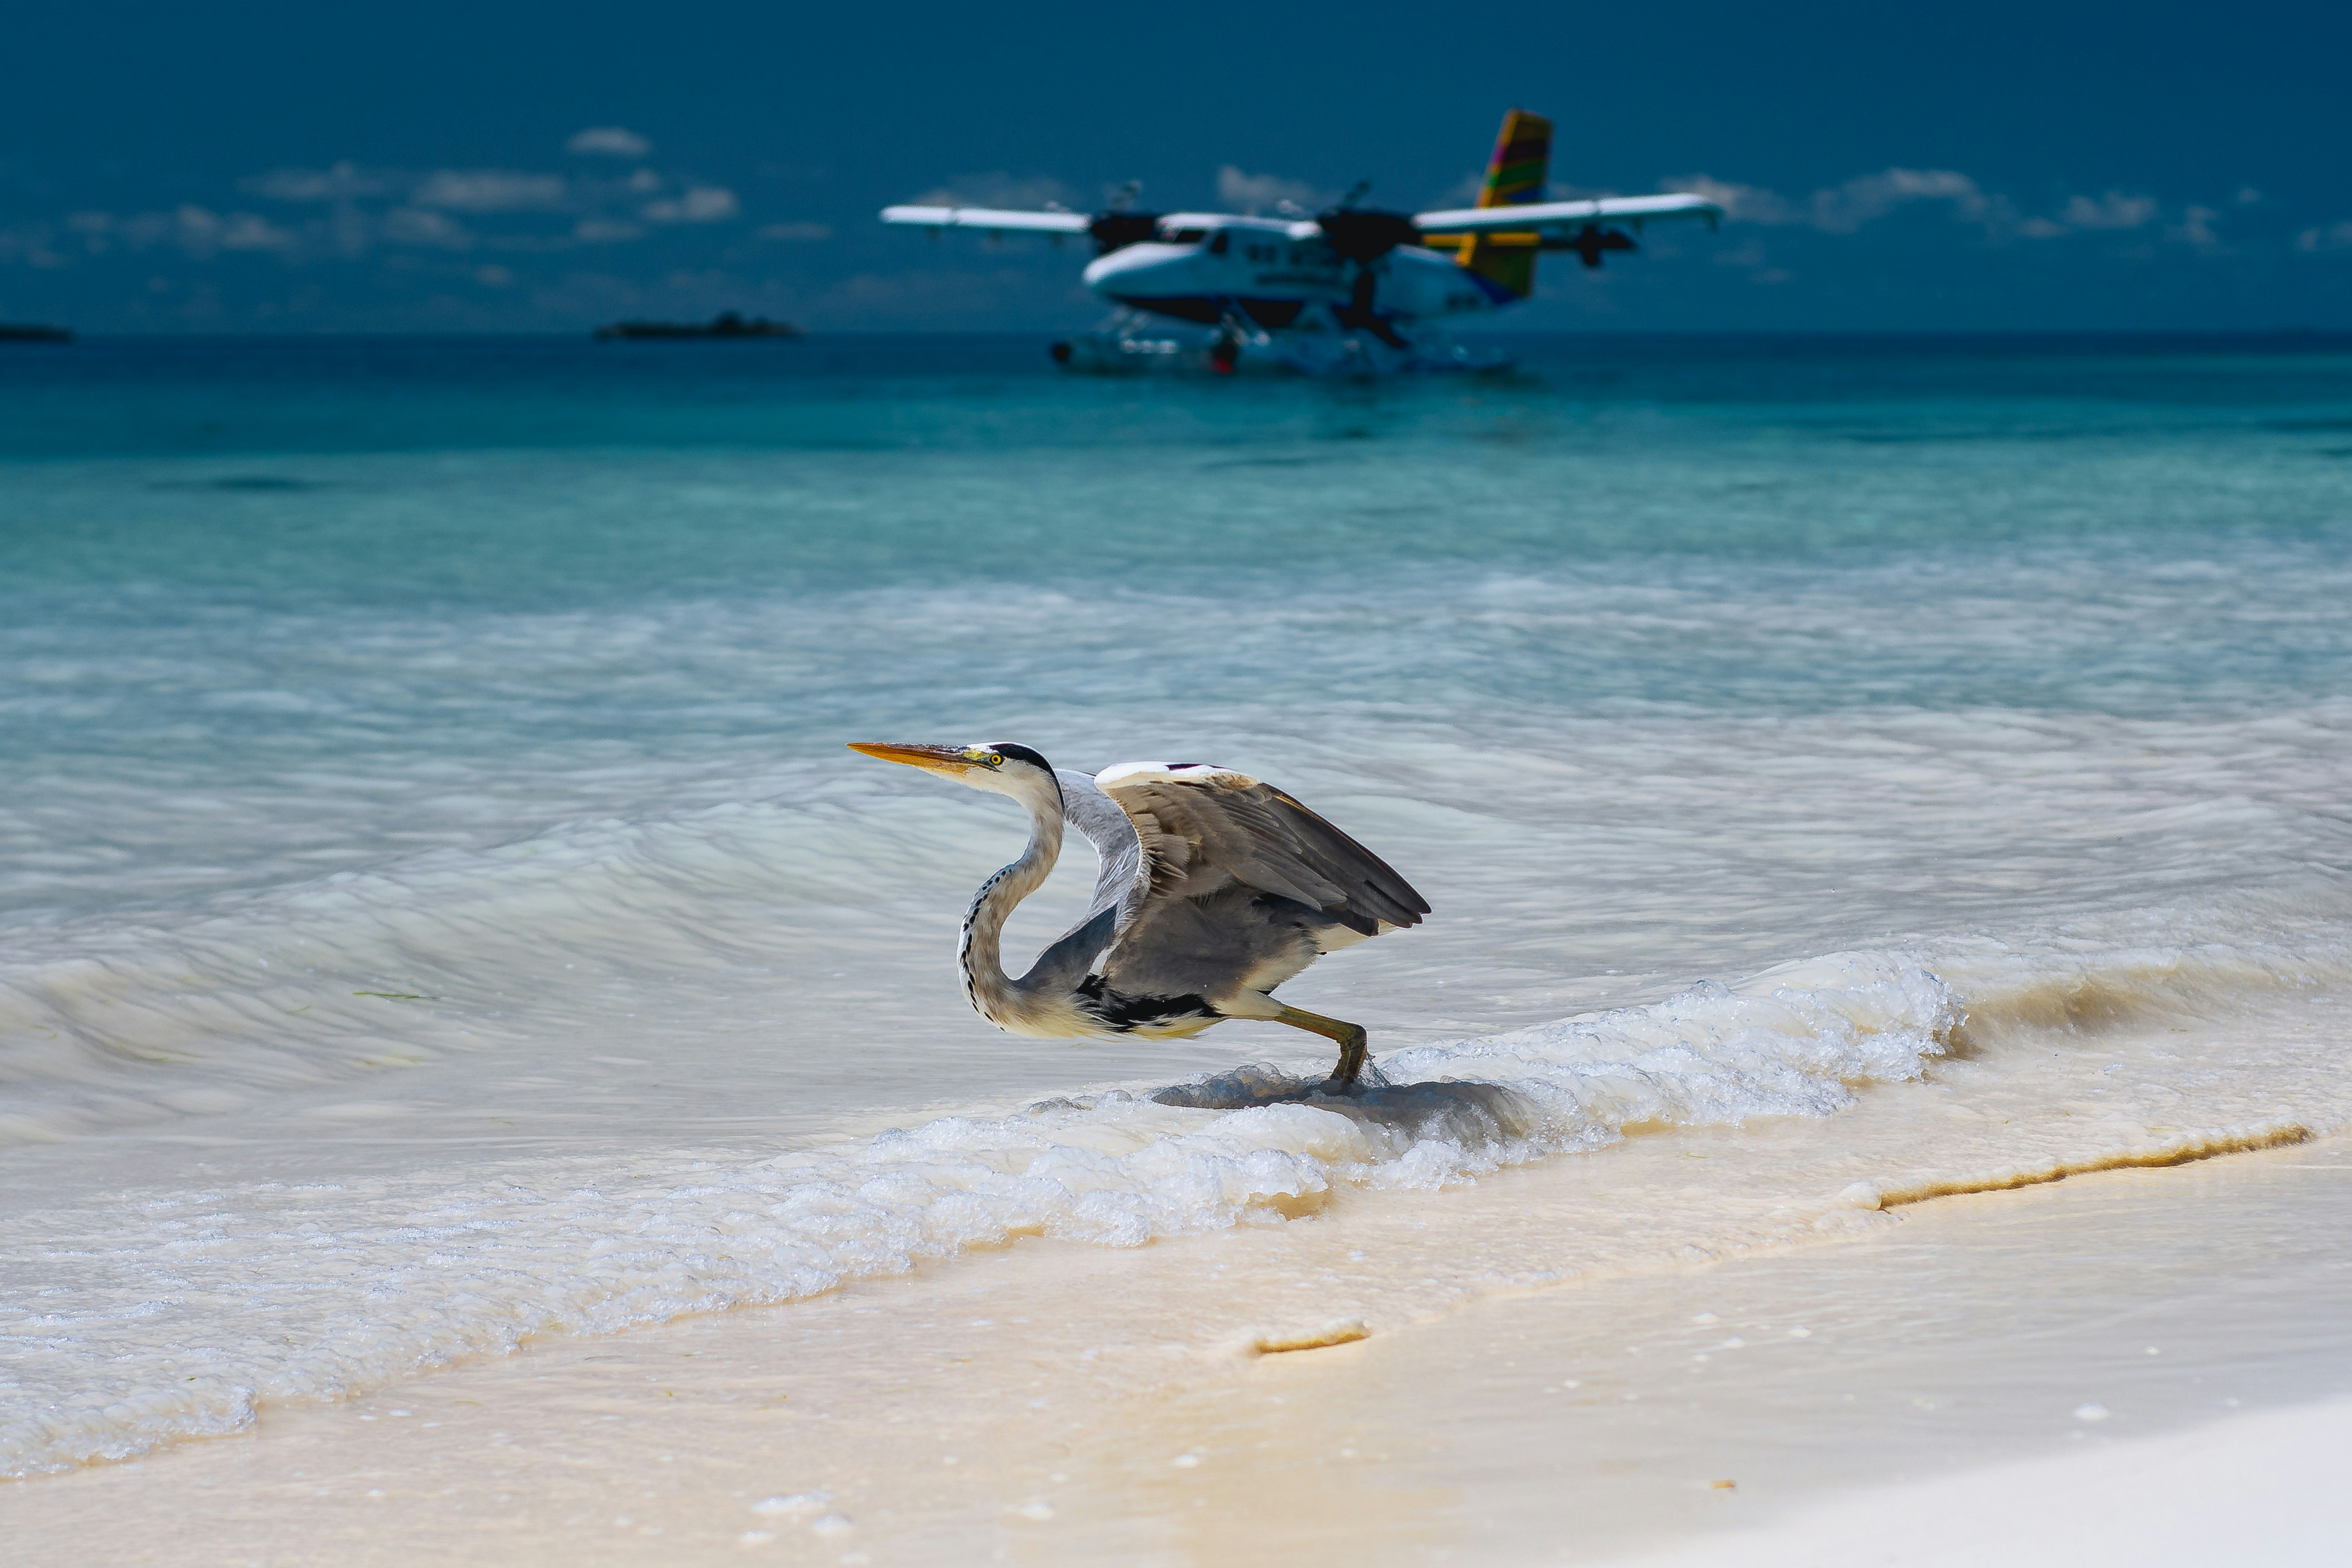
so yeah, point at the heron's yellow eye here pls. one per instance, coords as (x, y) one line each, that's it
(987, 759)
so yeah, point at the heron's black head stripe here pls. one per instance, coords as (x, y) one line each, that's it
(1004, 749)
(1018, 752)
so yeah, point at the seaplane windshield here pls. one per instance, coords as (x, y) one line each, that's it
(1184, 236)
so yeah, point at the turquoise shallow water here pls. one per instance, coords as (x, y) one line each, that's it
(424, 762)
(531, 565)
(1755, 449)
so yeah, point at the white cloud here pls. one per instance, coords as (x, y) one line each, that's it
(2114, 210)
(2248, 196)
(1740, 203)
(340, 183)
(452, 211)
(1841, 209)
(1844, 208)
(493, 277)
(611, 140)
(412, 225)
(2196, 227)
(144, 229)
(95, 229)
(200, 231)
(700, 204)
(995, 189)
(348, 230)
(1254, 193)
(248, 231)
(29, 243)
(2335, 236)
(1871, 196)
(489, 191)
(1462, 193)
(2117, 211)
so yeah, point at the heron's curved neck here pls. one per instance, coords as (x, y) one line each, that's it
(993, 992)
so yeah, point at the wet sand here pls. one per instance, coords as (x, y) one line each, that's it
(1056, 1403)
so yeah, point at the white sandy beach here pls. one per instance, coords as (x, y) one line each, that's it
(2128, 1365)
(2261, 1488)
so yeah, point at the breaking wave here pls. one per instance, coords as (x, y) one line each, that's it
(361, 1284)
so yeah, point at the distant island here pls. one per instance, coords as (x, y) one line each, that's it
(726, 325)
(30, 333)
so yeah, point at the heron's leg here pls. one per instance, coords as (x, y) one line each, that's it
(1352, 1039)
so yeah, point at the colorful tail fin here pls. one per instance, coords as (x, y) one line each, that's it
(1521, 164)
(1516, 173)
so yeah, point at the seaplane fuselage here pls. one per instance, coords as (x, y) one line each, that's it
(1204, 266)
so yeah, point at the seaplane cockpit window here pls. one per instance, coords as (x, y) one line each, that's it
(1186, 235)
(1217, 245)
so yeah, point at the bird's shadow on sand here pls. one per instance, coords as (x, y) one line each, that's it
(1467, 1113)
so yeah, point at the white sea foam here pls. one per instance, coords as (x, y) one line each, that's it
(197, 1306)
(142, 1316)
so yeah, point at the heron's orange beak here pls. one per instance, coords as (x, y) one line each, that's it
(936, 759)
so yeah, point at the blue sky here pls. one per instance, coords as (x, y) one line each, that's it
(497, 166)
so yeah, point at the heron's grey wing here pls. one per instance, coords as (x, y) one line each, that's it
(1240, 887)
(1117, 851)
(1201, 827)
(1119, 856)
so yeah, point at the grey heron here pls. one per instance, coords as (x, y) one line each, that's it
(1213, 890)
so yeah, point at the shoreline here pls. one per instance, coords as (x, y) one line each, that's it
(1716, 1122)
(1066, 1404)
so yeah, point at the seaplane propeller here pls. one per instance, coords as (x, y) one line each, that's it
(1362, 236)
(1591, 240)
(1120, 227)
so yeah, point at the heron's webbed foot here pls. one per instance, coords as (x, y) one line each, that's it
(1354, 1044)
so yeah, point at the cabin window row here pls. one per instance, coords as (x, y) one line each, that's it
(1220, 244)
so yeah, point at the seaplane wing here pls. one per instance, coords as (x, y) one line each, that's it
(997, 219)
(1548, 218)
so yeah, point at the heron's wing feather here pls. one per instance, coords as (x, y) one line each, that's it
(1119, 856)
(1119, 852)
(1201, 827)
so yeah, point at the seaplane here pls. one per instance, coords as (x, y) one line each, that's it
(1352, 287)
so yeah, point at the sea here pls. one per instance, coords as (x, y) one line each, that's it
(438, 912)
